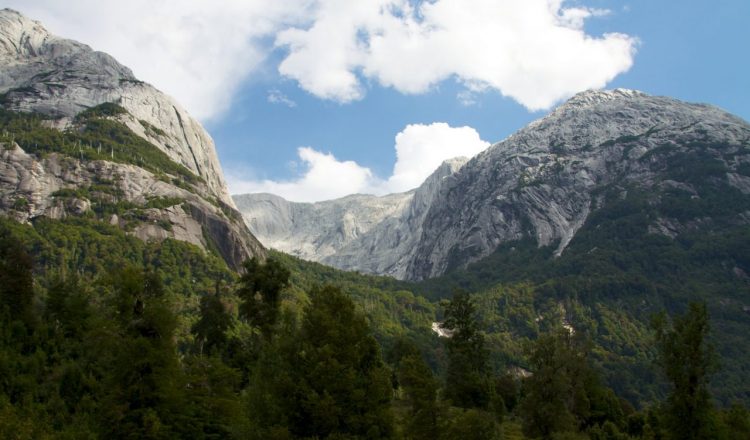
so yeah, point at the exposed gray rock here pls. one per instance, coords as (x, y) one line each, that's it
(541, 183)
(58, 77)
(358, 232)
(37, 183)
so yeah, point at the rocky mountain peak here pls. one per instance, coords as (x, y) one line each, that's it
(592, 97)
(58, 79)
(540, 184)
(20, 36)
(544, 181)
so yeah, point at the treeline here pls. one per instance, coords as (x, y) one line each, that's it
(97, 358)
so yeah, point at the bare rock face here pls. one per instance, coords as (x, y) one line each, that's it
(544, 181)
(59, 186)
(57, 77)
(359, 232)
(541, 183)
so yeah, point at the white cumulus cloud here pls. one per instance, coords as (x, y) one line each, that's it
(419, 148)
(197, 51)
(324, 177)
(534, 51)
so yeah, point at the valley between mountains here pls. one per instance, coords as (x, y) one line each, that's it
(138, 299)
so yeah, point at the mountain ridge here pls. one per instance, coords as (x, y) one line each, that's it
(60, 78)
(361, 232)
(543, 181)
(83, 137)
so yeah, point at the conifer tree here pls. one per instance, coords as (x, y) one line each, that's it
(16, 279)
(210, 329)
(260, 291)
(421, 389)
(348, 388)
(688, 360)
(468, 381)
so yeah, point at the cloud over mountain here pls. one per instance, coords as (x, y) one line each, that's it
(419, 148)
(534, 51)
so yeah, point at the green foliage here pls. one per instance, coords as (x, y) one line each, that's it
(345, 385)
(21, 204)
(96, 137)
(421, 388)
(125, 339)
(468, 382)
(107, 109)
(472, 424)
(211, 328)
(91, 249)
(618, 270)
(260, 291)
(163, 202)
(150, 129)
(688, 361)
(564, 394)
(16, 283)
(737, 421)
(391, 309)
(325, 380)
(146, 384)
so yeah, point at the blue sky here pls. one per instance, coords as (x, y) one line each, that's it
(268, 80)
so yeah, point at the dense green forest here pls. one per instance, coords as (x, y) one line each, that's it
(103, 335)
(628, 334)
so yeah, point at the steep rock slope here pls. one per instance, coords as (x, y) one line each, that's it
(358, 232)
(544, 181)
(540, 184)
(83, 137)
(58, 77)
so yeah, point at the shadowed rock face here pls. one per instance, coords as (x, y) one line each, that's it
(543, 183)
(58, 78)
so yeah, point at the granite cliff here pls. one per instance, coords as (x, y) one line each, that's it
(48, 83)
(542, 183)
(359, 232)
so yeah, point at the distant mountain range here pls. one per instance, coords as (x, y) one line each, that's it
(615, 206)
(543, 183)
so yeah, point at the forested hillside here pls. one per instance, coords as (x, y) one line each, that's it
(104, 335)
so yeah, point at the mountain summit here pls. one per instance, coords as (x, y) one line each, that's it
(83, 136)
(544, 182)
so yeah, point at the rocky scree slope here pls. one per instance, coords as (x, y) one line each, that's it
(541, 183)
(51, 84)
(364, 233)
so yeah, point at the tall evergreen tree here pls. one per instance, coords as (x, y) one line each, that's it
(687, 360)
(421, 389)
(16, 279)
(341, 385)
(260, 291)
(468, 382)
(146, 384)
(211, 328)
(564, 394)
